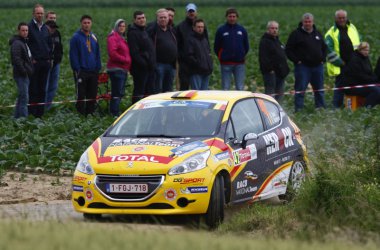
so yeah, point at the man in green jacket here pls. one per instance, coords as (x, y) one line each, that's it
(341, 39)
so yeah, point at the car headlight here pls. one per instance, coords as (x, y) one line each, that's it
(83, 164)
(193, 163)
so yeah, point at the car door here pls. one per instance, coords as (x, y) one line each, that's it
(246, 175)
(279, 144)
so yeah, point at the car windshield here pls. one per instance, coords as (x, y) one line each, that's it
(170, 119)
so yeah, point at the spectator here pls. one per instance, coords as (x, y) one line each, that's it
(273, 64)
(231, 46)
(341, 39)
(165, 43)
(118, 65)
(22, 68)
(57, 52)
(143, 57)
(358, 71)
(307, 50)
(198, 57)
(184, 30)
(171, 13)
(86, 64)
(40, 46)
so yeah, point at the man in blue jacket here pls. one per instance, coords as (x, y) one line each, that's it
(86, 64)
(231, 46)
(40, 46)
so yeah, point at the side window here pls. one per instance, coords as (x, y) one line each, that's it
(246, 118)
(271, 113)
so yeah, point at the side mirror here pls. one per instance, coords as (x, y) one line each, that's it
(247, 137)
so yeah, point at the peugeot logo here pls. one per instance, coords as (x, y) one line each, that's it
(130, 164)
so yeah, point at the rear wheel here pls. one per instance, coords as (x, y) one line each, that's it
(215, 211)
(296, 178)
(92, 217)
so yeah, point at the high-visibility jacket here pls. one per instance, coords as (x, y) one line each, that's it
(332, 38)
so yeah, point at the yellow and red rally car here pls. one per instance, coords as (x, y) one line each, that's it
(191, 152)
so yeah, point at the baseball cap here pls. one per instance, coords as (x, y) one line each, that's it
(191, 6)
(51, 24)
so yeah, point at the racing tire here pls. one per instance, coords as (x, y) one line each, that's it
(296, 178)
(92, 217)
(215, 212)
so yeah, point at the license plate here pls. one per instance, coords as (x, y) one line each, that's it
(127, 188)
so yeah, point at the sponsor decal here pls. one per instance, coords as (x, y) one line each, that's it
(246, 190)
(194, 190)
(278, 184)
(79, 178)
(189, 180)
(288, 137)
(241, 184)
(135, 157)
(281, 160)
(139, 149)
(250, 176)
(244, 155)
(89, 195)
(275, 142)
(222, 156)
(239, 33)
(146, 141)
(188, 147)
(170, 194)
(77, 188)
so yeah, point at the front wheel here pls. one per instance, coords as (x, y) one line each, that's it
(215, 211)
(296, 178)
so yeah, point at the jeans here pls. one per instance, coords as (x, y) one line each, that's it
(37, 88)
(52, 85)
(274, 86)
(87, 89)
(118, 79)
(199, 82)
(303, 76)
(21, 109)
(238, 71)
(143, 84)
(165, 74)
(338, 97)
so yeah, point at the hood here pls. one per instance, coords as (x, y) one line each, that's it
(15, 38)
(142, 155)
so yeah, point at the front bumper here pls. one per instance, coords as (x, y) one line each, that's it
(178, 194)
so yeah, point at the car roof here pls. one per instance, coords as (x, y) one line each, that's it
(208, 95)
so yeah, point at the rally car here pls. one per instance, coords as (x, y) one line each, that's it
(191, 152)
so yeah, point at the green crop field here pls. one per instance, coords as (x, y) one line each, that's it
(341, 198)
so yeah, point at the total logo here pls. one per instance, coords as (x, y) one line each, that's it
(133, 158)
(170, 194)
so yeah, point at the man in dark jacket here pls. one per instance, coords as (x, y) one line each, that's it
(22, 68)
(86, 64)
(143, 56)
(231, 46)
(306, 48)
(273, 64)
(40, 46)
(57, 53)
(165, 42)
(198, 57)
(184, 31)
